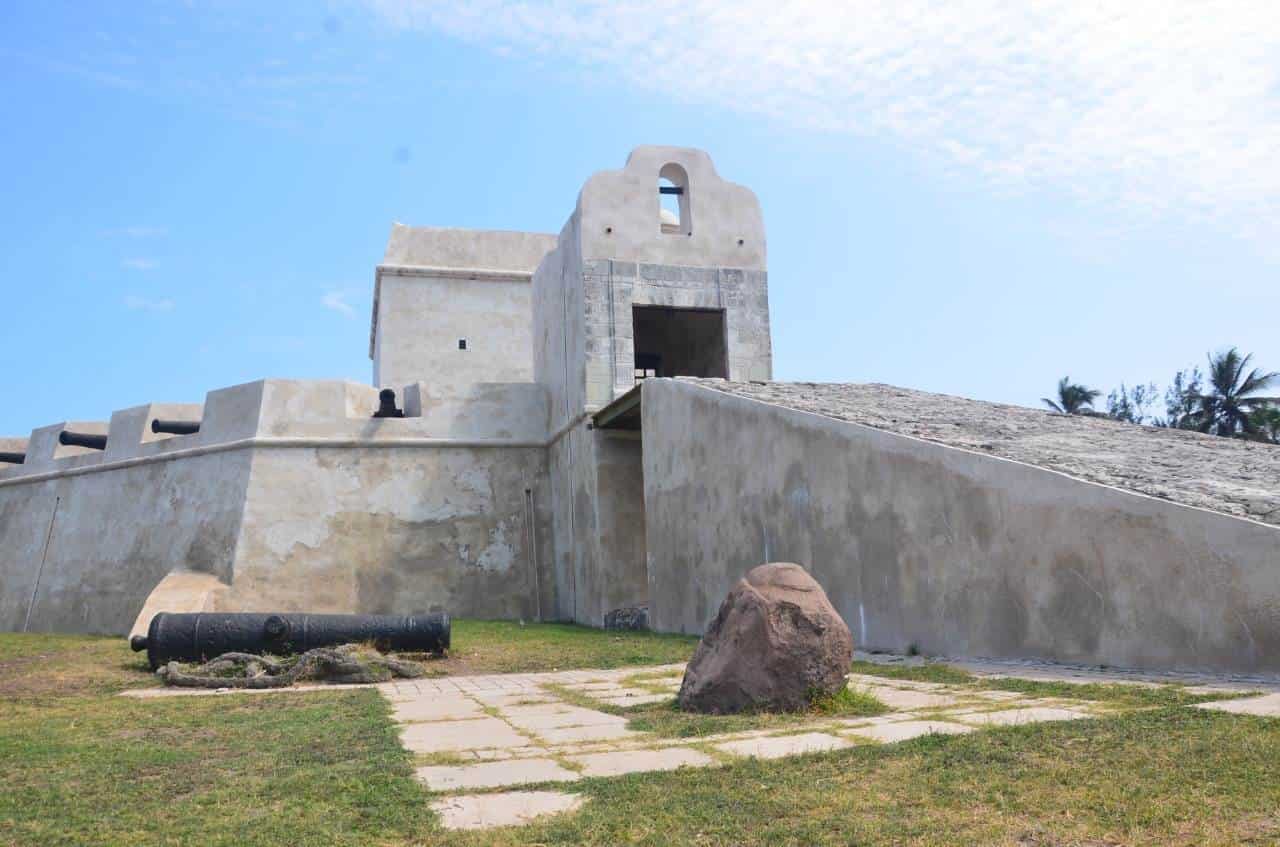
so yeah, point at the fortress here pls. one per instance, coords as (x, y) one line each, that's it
(585, 424)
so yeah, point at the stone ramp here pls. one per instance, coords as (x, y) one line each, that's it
(1227, 475)
(1081, 540)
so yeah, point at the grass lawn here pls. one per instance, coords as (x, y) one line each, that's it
(506, 647)
(665, 719)
(80, 766)
(1121, 695)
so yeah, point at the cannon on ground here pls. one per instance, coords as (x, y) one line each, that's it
(200, 636)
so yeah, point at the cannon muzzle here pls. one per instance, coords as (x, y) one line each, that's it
(13, 458)
(200, 636)
(387, 405)
(160, 425)
(90, 440)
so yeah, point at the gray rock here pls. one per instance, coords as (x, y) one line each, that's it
(627, 618)
(776, 643)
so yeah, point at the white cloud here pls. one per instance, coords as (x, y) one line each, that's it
(138, 231)
(146, 304)
(1163, 108)
(337, 301)
(139, 264)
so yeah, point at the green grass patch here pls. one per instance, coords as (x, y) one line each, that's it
(1169, 776)
(668, 720)
(79, 765)
(1116, 694)
(296, 769)
(511, 647)
(923, 672)
(35, 666)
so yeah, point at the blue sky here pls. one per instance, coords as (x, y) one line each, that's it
(974, 203)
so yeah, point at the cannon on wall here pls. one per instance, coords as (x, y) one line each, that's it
(160, 425)
(91, 440)
(12, 458)
(200, 636)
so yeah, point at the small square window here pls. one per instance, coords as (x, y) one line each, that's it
(462, 344)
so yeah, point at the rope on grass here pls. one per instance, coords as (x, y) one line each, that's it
(350, 663)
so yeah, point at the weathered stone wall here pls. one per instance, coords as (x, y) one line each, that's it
(395, 530)
(115, 535)
(295, 496)
(438, 286)
(612, 289)
(952, 552)
(612, 255)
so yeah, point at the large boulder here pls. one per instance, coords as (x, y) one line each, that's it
(776, 643)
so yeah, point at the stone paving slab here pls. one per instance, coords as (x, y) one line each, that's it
(511, 808)
(778, 747)
(626, 700)
(911, 684)
(566, 716)
(1014, 717)
(890, 733)
(1265, 706)
(430, 709)
(878, 720)
(896, 698)
(597, 732)
(512, 698)
(634, 761)
(448, 736)
(563, 720)
(997, 696)
(493, 774)
(552, 706)
(525, 752)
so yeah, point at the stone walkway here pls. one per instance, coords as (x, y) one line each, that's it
(500, 749)
(479, 734)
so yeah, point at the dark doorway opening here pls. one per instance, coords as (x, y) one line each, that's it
(679, 342)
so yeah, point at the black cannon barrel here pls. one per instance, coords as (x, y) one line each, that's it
(175, 427)
(200, 636)
(387, 405)
(82, 439)
(12, 458)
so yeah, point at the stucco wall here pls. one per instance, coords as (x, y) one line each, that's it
(115, 535)
(394, 530)
(297, 497)
(611, 255)
(438, 285)
(946, 550)
(421, 318)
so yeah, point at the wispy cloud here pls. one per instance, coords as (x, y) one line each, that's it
(137, 231)
(337, 301)
(139, 264)
(146, 304)
(53, 65)
(1154, 107)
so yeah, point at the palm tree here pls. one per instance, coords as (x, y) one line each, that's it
(1226, 408)
(1266, 420)
(1073, 398)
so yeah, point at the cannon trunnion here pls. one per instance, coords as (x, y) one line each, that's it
(197, 637)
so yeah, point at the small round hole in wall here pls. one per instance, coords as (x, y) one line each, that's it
(608, 229)
(741, 242)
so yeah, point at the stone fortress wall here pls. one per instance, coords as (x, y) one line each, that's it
(943, 549)
(537, 474)
(293, 496)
